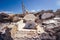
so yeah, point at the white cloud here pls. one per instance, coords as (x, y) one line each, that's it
(58, 2)
(6, 12)
(33, 10)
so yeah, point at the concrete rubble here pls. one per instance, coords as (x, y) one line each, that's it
(47, 15)
(44, 25)
(20, 24)
(30, 17)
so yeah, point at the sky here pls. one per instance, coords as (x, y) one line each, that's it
(15, 6)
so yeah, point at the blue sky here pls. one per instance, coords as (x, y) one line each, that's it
(31, 5)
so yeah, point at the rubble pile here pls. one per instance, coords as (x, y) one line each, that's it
(29, 17)
(47, 15)
(43, 25)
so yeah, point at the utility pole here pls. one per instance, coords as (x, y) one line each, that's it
(23, 8)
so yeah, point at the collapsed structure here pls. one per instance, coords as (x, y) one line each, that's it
(44, 25)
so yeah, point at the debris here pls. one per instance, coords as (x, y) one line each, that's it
(29, 17)
(20, 24)
(40, 29)
(14, 30)
(47, 15)
(30, 25)
(2, 16)
(16, 19)
(44, 25)
(46, 36)
(50, 21)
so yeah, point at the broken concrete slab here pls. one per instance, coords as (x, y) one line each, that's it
(16, 19)
(20, 24)
(40, 29)
(47, 15)
(29, 17)
(30, 25)
(13, 30)
(49, 21)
